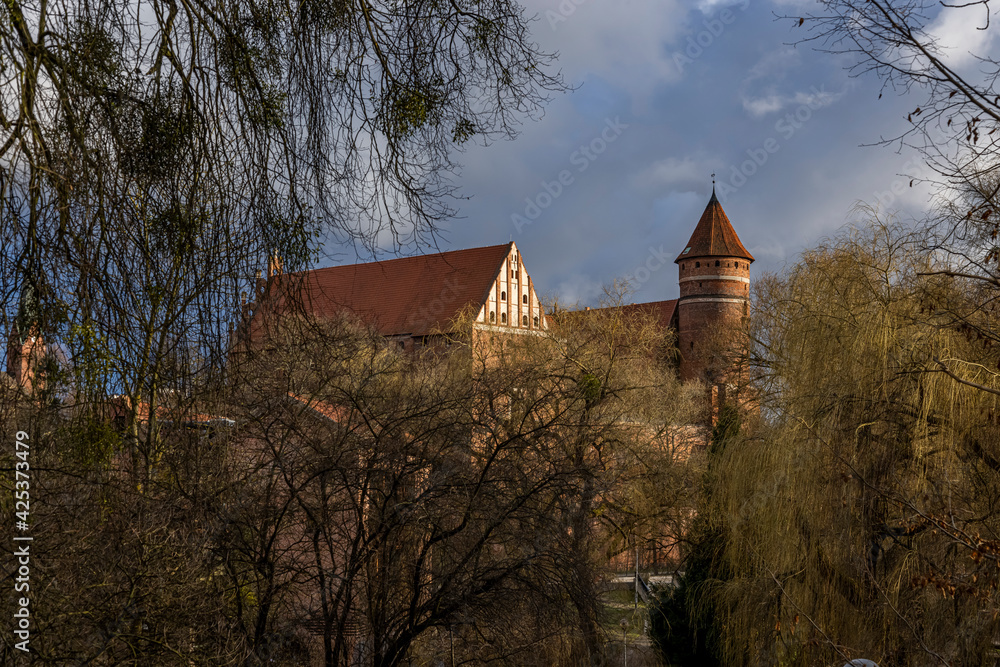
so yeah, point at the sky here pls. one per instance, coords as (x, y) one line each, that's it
(611, 182)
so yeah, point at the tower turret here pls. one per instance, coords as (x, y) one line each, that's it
(714, 270)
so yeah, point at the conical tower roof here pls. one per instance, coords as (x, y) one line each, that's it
(714, 236)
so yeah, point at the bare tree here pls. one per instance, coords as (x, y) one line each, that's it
(467, 498)
(153, 155)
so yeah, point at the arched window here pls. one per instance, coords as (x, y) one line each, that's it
(524, 320)
(697, 265)
(503, 318)
(682, 267)
(503, 296)
(716, 262)
(493, 316)
(536, 320)
(524, 299)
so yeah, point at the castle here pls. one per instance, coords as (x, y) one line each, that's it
(412, 301)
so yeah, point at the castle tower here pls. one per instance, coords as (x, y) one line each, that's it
(25, 346)
(714, 270)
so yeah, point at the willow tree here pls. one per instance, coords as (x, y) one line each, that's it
(952, 127)
(861, 513)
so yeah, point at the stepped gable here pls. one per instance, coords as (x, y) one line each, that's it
(412, 296)
(714, 236)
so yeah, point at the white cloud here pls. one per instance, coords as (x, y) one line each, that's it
(817, 98)
(774, 65)
(957, 33)
(579, 289)
(707, 7)
(763, 105)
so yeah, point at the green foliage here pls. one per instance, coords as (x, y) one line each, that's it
(406, 109)
(687, 620)
(590, 387)
(726, 428)
(464, 130)
(95, 59)
(157, 135)
(683, 626)
(90, 443)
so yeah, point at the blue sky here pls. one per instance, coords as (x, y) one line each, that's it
(666, 93)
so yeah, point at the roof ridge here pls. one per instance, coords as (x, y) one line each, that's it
(432, 255)
(714, 236)
(414, 296)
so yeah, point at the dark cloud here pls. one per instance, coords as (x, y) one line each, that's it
(668, 95)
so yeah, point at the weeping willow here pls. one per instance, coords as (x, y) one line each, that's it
(860, 511)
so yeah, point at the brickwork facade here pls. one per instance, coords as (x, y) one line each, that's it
(714, 280)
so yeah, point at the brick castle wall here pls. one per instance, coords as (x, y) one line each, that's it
(714, 297)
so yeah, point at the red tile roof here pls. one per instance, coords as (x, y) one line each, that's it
(714, 236)
(407, 296)
(662, 310)
(335, 413)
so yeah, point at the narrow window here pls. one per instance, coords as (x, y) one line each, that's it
(503, 318)
(524, 299)
(493, 316)
(536, 320)
(692, 345)
(503, 296)
(682, 267)
(697, 265)
(524, 320)
(716, 262)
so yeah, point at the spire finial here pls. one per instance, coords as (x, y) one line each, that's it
(714, 198)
